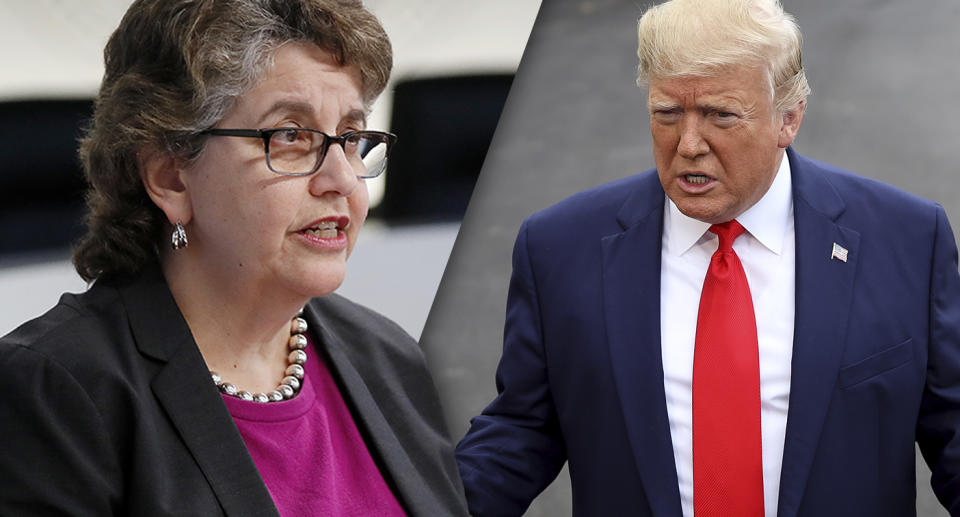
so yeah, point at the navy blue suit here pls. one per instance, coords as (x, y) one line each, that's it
(876, 356)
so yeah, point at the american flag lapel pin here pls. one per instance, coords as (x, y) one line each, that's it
(839, 252)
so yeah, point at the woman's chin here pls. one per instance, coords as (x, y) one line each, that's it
(319, 281)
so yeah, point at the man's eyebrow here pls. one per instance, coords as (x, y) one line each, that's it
(657, 105)
(719, 102)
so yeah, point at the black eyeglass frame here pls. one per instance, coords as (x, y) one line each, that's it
(266, 134)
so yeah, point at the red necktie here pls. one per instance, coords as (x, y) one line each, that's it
(727, 469)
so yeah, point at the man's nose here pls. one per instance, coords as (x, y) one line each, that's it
(692, 144)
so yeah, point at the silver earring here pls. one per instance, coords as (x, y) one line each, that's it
(179, 237)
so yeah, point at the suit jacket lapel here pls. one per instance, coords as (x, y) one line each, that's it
(631, 293)
(824, 288)
(386, 448)
(186, 393)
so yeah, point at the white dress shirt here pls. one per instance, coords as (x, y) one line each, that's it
(766, 250)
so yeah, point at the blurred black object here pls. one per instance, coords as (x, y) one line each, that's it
(41, 181)
(444, 127)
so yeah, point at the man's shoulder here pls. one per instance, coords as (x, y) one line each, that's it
(859, 194)
(599, 207)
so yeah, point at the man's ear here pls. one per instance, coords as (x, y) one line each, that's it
(162, 176)
(791, 124)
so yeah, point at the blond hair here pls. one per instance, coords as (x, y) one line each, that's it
(706, 37)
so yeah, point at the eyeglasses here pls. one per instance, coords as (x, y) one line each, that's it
(297, 151)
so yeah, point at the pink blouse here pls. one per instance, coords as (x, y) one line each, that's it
(309, 452)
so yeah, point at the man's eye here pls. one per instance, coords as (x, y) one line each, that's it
(725, 115)
(666, 115)
(724, 118)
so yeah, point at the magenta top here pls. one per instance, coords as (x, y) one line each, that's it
(309, 452)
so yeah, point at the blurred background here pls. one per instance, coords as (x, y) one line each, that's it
(883, 105)
(453, 65)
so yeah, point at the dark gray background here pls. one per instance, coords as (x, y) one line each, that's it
(884, 105)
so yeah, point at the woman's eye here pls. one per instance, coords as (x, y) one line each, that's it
(288, 136)
(291, 137)
(352, 143)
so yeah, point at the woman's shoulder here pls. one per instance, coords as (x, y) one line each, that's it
(78, 335)
(374, 344)
(339, 315)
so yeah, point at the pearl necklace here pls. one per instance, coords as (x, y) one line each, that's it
(293, 375)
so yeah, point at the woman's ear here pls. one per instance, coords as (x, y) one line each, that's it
(162, 176)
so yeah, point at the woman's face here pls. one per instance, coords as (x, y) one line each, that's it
(268, 231)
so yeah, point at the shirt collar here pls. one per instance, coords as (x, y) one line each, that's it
(766, 220)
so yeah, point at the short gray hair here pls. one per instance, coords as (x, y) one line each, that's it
(704, 37)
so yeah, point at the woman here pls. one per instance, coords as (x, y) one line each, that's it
(226, 161)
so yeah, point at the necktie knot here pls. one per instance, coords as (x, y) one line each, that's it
(727, 232)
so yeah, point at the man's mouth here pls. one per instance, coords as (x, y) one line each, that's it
(696, 179)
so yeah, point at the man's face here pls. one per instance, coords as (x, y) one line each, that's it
(718, 140)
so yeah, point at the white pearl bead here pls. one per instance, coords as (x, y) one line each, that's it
(296, 370)
(292, 381)
(298, 342)
(298, 326)
(286, 390)
(297, 356)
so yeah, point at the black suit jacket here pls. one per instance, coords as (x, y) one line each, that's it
(107, 408)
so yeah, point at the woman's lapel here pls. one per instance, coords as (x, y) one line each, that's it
(185, 391)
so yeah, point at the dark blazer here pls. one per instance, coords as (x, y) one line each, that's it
(107, 408)
(876, 356)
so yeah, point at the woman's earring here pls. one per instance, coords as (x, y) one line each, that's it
(179, 238)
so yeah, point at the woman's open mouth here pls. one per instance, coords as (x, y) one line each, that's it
(324, 230)
(327, 233)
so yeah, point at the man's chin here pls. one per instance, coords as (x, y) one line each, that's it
(704, 209)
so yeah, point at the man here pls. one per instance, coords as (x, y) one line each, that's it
(628, 354)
